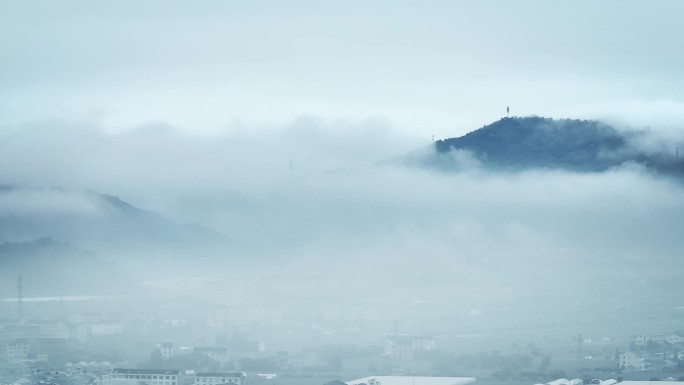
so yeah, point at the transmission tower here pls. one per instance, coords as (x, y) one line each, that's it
(20, 298)
(580, 342)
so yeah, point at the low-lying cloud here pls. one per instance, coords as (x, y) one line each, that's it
(341, 212)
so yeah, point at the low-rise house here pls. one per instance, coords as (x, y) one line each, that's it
(220, 378)
(633, 361)
(405, 347)
(673, 339)
(640, 361)
(18, 350)
(106, 329)
(167, 350)
(119, 376)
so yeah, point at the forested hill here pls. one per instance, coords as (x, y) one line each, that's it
(96, 221)
(535, 142)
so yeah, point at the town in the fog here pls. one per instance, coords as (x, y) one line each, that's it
(342, 192)
(166, 337)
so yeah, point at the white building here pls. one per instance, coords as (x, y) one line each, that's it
(141, 377)
(18, 350)
(564, 381)
(167, 350)
(674, 339)
(633, 361)
(220, 378)
(405, 347)
(423, 343)
(106, 329)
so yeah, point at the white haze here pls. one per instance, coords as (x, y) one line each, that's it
(317, 187)
(371, 230)
(274, 126)
(436, 67)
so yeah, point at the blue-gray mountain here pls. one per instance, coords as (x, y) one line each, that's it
(96, 221)
(535, 142)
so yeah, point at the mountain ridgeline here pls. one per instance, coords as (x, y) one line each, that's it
(535, 142)
(64, 241)
(94, 221)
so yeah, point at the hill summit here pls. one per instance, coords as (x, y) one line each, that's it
(536, 142)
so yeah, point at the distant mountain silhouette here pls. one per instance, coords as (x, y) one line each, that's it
(535, 142)
(95, 221)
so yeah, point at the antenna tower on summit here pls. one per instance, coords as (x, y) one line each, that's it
(508, 111)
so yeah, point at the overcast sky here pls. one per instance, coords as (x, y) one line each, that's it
(422, 67)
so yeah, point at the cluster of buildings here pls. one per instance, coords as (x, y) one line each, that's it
(34, 374)
(46, 341)
(645, 361)
(20, 349)
(645, 339)
(653, 352)
(219, 354)
(169, 377)
(404, 347)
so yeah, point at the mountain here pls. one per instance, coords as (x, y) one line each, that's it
(100, 222)
(52, 268)
(536, 142)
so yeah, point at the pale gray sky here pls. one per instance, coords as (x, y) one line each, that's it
(442, 67)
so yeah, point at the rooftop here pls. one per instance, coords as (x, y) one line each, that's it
(172, 372)
(221, 374)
